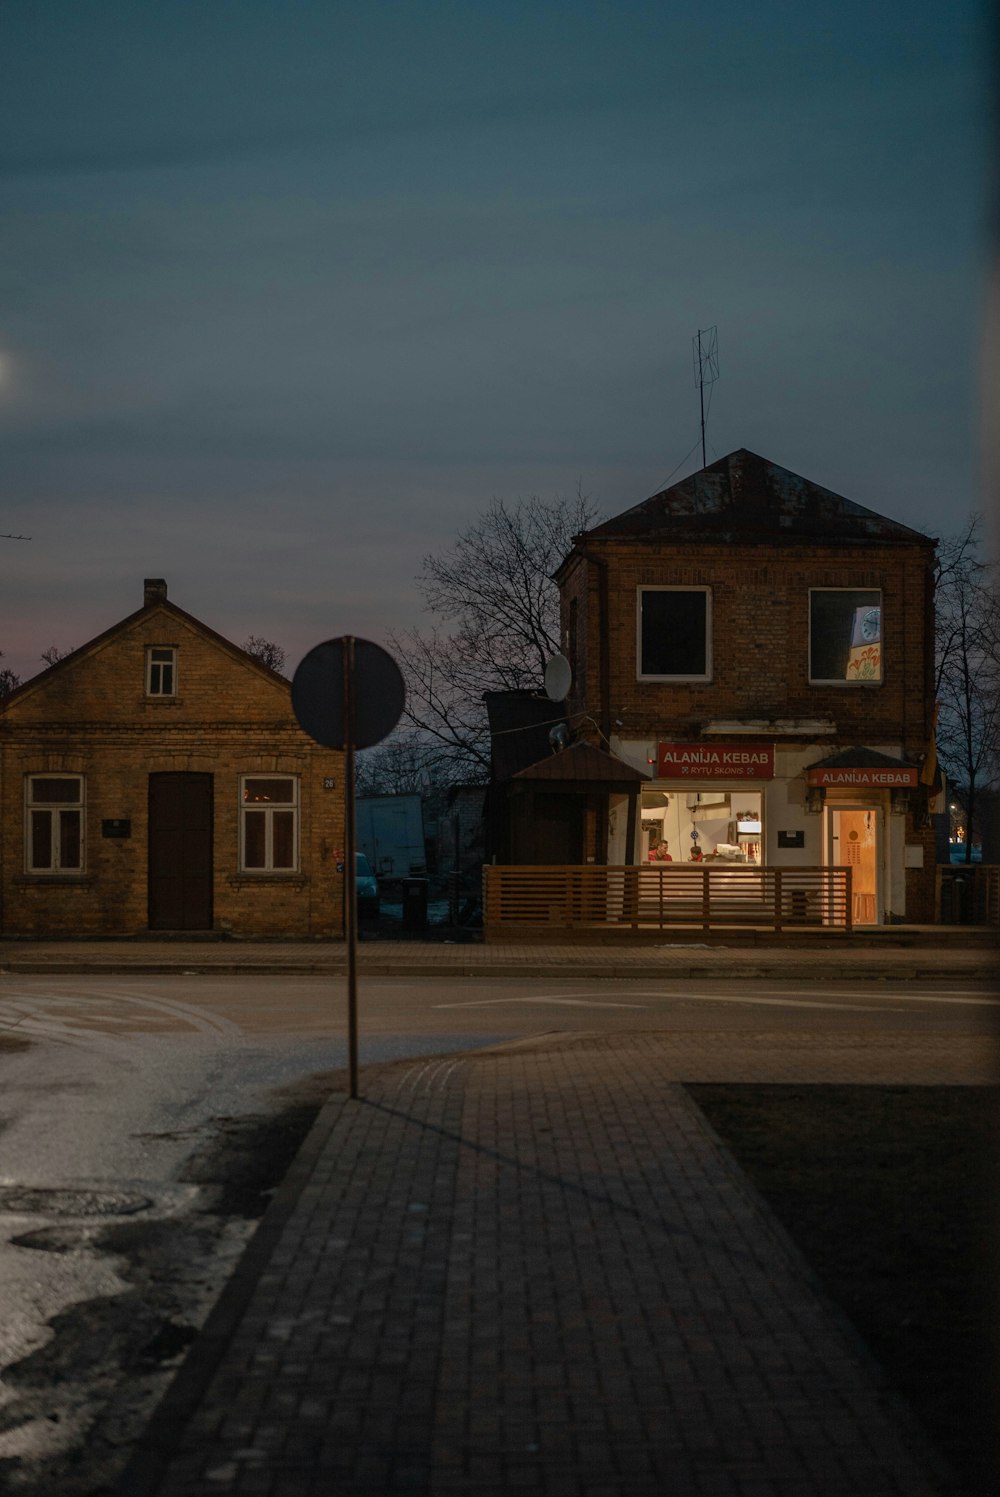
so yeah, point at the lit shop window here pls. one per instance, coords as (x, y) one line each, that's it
(674, 633)
(55, 824)
(161, 671)
(269, 811)
(845, 635)
(707, 825)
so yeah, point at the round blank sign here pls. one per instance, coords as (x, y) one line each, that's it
(318, 693)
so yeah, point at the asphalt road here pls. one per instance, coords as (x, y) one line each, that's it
(81, 1009)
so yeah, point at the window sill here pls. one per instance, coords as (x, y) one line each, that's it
(266, 876)
(28, 880)
(675, 680)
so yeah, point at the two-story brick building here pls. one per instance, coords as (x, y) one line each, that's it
(761, 649)
(156, 779)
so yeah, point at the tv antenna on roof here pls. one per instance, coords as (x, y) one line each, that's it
(705, 349)
(15, 537)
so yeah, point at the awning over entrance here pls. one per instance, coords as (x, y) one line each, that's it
(582, 762)
(864, 769)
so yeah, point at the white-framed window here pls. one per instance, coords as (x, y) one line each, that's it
(54, 823)
(269, 823)
(161, 671)
(845, 636)
(674, 633)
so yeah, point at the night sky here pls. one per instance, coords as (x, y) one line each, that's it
(292, 290)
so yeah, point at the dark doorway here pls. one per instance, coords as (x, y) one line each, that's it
(180, 852)
(549, 829)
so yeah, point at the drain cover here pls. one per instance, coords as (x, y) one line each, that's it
(23, 1200)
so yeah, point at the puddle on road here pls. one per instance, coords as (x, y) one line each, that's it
(30, 1200)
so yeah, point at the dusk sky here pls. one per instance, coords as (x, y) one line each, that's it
(291, 291)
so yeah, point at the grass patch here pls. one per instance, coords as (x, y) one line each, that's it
(891, 1195)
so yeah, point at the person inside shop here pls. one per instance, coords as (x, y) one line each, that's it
(659, 853)
(696, 855)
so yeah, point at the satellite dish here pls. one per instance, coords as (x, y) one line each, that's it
(558, 678)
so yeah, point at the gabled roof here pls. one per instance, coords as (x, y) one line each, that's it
(156, 600)
(862, 758)
(582, 762)
(747, 497)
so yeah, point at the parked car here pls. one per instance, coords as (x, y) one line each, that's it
(367, 889)
(957, 853)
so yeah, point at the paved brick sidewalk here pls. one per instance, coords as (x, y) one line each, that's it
(526, 1270)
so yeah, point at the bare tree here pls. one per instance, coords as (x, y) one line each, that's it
(266, 651)
(498, 608)
(53, 654)
(9, 680)
(967, 609)
(400, 765)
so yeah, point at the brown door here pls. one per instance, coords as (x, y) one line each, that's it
(551, 829)
(180, 852)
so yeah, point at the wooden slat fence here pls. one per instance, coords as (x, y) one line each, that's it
(606, 896)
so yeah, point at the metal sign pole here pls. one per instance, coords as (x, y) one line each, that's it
(348, 694)
(350, 866)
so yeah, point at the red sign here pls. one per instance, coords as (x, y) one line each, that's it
(866, 778)
(715, 761)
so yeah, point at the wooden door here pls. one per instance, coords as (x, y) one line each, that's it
(551, 829)
(180, 852)
(855, 842)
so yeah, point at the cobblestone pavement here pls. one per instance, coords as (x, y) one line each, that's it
(535, 1269)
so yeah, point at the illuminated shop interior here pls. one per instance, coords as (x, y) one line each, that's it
(707, 825)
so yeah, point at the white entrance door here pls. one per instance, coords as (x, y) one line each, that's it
(854, 840)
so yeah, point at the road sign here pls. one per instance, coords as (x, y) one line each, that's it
(348, 694)
(377, 693)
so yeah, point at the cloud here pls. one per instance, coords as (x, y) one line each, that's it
(359, 268)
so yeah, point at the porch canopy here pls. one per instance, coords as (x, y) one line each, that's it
(559, 790)
(863, 769)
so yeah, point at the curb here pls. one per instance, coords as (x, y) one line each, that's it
(815, 970)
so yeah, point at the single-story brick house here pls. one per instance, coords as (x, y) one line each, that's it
(156, 780)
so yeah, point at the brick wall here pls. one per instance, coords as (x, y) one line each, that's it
(760, 648)
(760, 630)
(90, 716)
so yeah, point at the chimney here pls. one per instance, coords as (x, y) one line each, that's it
(154, 590)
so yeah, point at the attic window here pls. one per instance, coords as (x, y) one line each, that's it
(161, 671)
